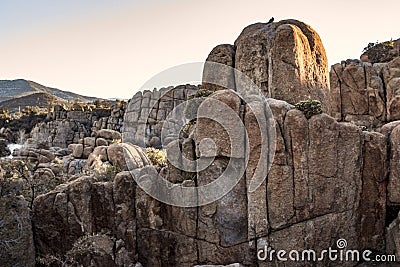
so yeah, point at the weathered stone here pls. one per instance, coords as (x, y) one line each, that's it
(127, 156)
(89, 141)
(393, 239)
(255, 121)
(157, 247)
(391, 76)
(101, 142)
(52, 213)
(394, 177)
(216, 255)
(373, 196)
(388, 128)
(87, 151)
(76, 150)
(16, 236)
(219, 121)
(68, 213)
(381, 52)
(224, 221)
(327, 179)
(76, 166)
(144, 122)
(58, 133)
(286, 60)
(155, 142)
(99, 251)
(100, 153)
(320, 232)
(214, 77)
(108, 134)
(125, 218)
(44, 174)
(296, 137)
(357, 94)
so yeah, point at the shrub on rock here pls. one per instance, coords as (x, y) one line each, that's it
(309, 107)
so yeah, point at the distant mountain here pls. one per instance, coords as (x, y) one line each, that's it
(13, 89)
(41, 100)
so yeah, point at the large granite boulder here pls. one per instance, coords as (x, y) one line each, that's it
(97, 217)
(286, 60)
(127, 156)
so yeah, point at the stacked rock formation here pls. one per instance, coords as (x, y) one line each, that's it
(69, 126)
(113, 122)
(366, 94)
(147, 112)
(329, 178)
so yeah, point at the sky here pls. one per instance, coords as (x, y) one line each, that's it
(110, 48)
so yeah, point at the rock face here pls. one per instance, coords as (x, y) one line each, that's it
(307, 187)
(222, 54)
(34, 155)
(327, 181)
(85, 211)
(147, 112)
(116, 119)
(16, 237)
(69, 126)
(394, 177)
(286, 60)
(118, 155)
(393, 238)
(59, 133)
(366, 94)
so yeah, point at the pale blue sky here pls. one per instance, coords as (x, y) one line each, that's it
(110, 48)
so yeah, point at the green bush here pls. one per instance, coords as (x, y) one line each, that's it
(31, 110)
(380, 52)
(369, 46)
(83, 249)
(55, 260)
(309, 107)
(106, 173)
(4, 114)
(157, 157)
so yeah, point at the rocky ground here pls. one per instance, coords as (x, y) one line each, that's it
(73, 195)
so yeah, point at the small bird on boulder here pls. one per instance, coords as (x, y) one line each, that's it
(270, 20)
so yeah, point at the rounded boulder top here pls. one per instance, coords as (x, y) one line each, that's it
(285, 59)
